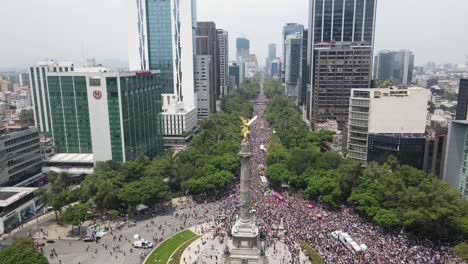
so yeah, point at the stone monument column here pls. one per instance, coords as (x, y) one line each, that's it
(245, 156)
(245, 237)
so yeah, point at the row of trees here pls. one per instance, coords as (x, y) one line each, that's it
(392, 195)
(273, 87)
(207, 166)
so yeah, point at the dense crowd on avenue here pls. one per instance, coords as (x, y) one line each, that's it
(310, 222)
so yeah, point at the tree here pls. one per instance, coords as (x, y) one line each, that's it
(461, 250)
(278, 173)
(324, 186)
(26, 117)
(147, 191)
(75, 215)
(387, 218)
(22, 251)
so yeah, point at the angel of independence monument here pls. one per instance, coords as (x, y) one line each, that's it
(245, 237)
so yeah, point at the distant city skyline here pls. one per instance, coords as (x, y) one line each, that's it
(71, 30)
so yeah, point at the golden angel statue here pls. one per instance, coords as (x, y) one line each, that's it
(245, 127)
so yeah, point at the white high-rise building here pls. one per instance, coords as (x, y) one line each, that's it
(162, 37)
(223, 50)
(388, 111)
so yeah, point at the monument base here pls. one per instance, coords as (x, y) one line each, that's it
(247, 248)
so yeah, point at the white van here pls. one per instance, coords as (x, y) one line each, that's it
(142, 244)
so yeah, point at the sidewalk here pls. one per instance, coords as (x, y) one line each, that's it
(26, 225)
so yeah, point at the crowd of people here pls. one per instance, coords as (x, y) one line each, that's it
(310, 222)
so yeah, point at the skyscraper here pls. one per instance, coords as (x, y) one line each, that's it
(243, 49)
(289, 29)
(342, 20)
(304, 74)
(162, 37)
(396, 66)
(234, 71)
(223, 54)
(347, 27)
(203, 85)
(207, 44)
(275, 68)
(293, 46)
(338, 68)
(271, 55)
(462, 105)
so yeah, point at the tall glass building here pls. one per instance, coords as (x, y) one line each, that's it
(346, 28)
(113, 115)
(162, 37)
(290, 29)
(396, 66)
(242, 48)
(342, 20)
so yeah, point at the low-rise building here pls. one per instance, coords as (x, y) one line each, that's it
(20, 155)
(384, 119)
(177, 122)
(17, 204)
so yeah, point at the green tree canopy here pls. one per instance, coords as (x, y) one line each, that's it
(22, 251)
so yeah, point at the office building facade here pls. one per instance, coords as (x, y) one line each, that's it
(462, 102)
(382, 120)
(223, 54)
(293, 60)
(271, 56)
(20, 155)
(203, 85)
(234, 71)
(396, 66)
(112, 115)
(342, 21)
(304, 74)
(162, 37)
(275, 68)
(338, 22)
(456, 159)
(40, 93)
(338, 68)
(207, 44)
(290, 29)
(242, 49)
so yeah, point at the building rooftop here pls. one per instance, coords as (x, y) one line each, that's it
(9, 195)
(71, 158)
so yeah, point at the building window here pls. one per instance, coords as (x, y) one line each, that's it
(94, 82)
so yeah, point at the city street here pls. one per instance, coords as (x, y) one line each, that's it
(116, 247)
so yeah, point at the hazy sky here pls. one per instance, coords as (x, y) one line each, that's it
(32, 30)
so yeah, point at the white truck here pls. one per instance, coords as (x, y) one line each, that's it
(348, 242)
(142, 244)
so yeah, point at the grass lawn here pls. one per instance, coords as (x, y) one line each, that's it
(178, 254)
(315, 257)
(165, 250)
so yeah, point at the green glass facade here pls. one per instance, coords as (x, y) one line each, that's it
(134, 107)
(160, 40)
(70, 114)
(141, 108)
